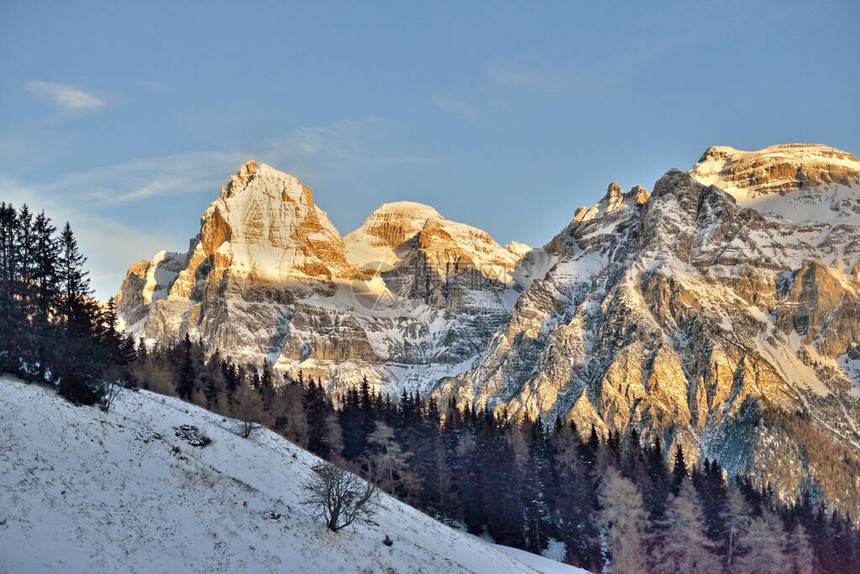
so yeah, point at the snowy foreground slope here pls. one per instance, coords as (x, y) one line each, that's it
(87, 491)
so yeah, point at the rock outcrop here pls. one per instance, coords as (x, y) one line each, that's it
(262, 243)
(419, 255)
(614, 200)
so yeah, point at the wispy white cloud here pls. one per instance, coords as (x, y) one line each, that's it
(522, 76)
(456, 108)
(339, 147)
(138, 180)
(334, 142)
(68, 98)
(541, 78)
(110, 244)
(103, 204)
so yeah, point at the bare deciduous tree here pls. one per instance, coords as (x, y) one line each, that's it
(682, 544)
(248, 408)
(390, 464)
(339, 497)
(624, 519)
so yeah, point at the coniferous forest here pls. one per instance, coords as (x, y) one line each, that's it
(51, 328)
(615, 503)
(610, 500)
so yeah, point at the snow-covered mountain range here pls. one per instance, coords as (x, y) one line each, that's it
(86, 491)
(698, 313)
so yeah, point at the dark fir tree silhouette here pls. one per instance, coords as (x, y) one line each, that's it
(51, 329)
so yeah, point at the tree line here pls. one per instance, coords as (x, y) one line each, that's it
(617, 505)
(51, 328)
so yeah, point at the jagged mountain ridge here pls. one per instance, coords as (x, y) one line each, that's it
(407, 297)
(730, 288)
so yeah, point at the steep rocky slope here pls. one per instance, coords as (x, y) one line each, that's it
(703, 314)
(692, 317)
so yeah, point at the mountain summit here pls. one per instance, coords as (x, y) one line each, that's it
(396, 230)
(778, 169)
(265, 225)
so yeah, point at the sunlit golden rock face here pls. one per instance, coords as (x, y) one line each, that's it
(823, 307)
(262, 241)
(265, 224)
(264, 227)
(776, 169)
(614, 200)
(430, 258)
(146, 282)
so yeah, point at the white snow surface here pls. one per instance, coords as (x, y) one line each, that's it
(87, 491)
(833, 204)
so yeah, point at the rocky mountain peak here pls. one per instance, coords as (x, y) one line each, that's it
(778, 169)
(395, 230)
(406, 210)
(266, 250)
(729, 292)
(639, 193)
(387, 228)
(264, 226)
(263, 180)
(614, 193)
(614, 200)
(243, 174)
(676, 182)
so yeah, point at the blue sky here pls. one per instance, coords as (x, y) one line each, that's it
(125, 118)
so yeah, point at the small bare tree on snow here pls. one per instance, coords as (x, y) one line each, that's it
(248, 408)
(339, 497)
(111, 392)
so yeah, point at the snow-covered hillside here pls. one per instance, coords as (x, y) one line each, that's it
(87, 491)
